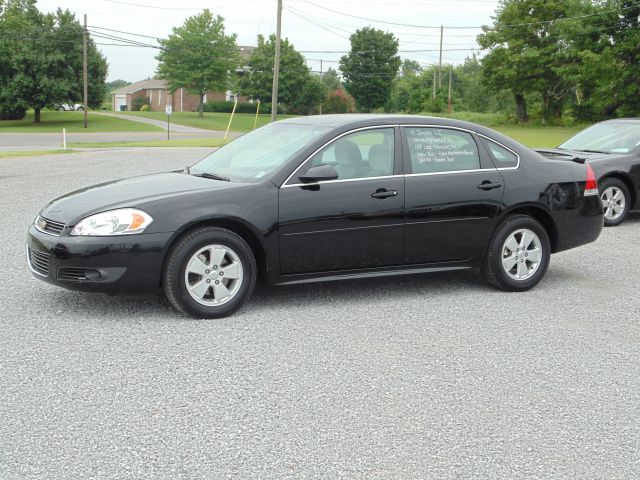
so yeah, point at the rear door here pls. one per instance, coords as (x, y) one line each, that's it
(354, 222)
(452, 195)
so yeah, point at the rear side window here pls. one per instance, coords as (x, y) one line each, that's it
(502, 157)
(434, 150)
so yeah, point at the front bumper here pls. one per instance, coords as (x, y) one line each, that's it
(102, 264)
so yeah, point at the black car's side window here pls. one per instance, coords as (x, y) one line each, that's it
(502, 157)
(434, 150)
(362, 154)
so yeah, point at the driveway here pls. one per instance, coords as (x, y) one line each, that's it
(158, 123)
(414, 377)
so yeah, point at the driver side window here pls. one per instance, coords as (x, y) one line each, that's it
(367, 153)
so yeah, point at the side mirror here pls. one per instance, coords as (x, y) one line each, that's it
(319, 174)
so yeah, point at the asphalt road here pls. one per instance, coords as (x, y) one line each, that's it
(39, 141)
(398, 378)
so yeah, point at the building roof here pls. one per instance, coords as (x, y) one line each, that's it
(142, 85)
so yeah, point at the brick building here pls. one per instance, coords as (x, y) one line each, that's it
(159, 97)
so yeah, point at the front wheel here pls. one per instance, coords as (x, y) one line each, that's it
(518, 254)
(616, 201)
(210, 273)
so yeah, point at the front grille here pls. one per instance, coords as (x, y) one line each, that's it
(49, 226)
(39, 262)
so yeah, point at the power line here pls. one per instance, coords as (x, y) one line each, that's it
(156, 7)
(542, 22)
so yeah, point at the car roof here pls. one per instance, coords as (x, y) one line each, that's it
(623, 120)
(363, 119)
(348, 121)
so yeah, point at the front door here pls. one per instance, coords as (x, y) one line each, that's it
(453, 193)
(353, 222)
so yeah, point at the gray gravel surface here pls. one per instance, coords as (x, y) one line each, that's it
(398, 378)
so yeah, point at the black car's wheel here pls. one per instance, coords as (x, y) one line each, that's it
(210, 273)
(518, 254)
(616, 201)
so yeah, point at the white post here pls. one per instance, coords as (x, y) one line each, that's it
(64, 138)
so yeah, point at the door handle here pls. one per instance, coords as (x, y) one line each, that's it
(487, 185)
(384, 193)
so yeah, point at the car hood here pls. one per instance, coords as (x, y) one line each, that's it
(128, 192)
(576, 155)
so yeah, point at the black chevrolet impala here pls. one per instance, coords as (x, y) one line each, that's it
(322, 198)
(612, 148)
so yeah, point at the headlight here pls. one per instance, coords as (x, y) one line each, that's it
(125, 221)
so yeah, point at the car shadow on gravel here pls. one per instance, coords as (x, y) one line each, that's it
(266, 298)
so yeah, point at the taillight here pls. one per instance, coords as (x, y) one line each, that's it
(592, 183)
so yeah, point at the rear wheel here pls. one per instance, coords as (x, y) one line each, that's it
(210, 273)
(518, 254)
(616, 201)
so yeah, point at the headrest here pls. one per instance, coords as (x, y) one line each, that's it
(348, 153)
(381, 159)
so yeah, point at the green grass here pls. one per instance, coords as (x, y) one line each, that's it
(242, 122)
(33, 153)
(53, 121)
(194, 142)
(539, 137)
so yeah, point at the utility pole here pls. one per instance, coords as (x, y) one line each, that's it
(85, 73)
(276, 66)
(440, 62)
(321, 81)
(450, 106)
(433, 93)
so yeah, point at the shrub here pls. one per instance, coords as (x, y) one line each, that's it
(339, 101)
(145, 108)
(222, 106)
(138, 102)
(12, 112)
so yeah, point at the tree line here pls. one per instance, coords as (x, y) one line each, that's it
(540, 59)
(41, 61)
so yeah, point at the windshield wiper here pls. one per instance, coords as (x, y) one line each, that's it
(212, 176)
(592, 151)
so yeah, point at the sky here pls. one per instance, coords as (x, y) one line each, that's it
(319, 29)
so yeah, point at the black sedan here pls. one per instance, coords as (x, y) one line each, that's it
(612, 148)
(322, 198)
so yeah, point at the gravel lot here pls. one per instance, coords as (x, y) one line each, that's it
(398, 378)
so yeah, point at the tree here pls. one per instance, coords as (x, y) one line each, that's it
(370, 66)
(526, 52)
(410, 67)
(293, 71)
(339, 101)
(331, 80)
(116, 84)
(312, 94)
(44, 65)
(603, 61)
(199, 56)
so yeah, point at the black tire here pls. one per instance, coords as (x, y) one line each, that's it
(175, 283)
(493, 268)
(614, 183)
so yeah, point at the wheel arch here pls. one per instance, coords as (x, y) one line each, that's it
(245, 231)
(624, 178)
(541, 215)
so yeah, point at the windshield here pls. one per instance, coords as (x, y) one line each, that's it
(609, 137)
(258, 153)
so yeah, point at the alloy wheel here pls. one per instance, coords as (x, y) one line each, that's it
(213, 275)
(521, 254)
(614, 203)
